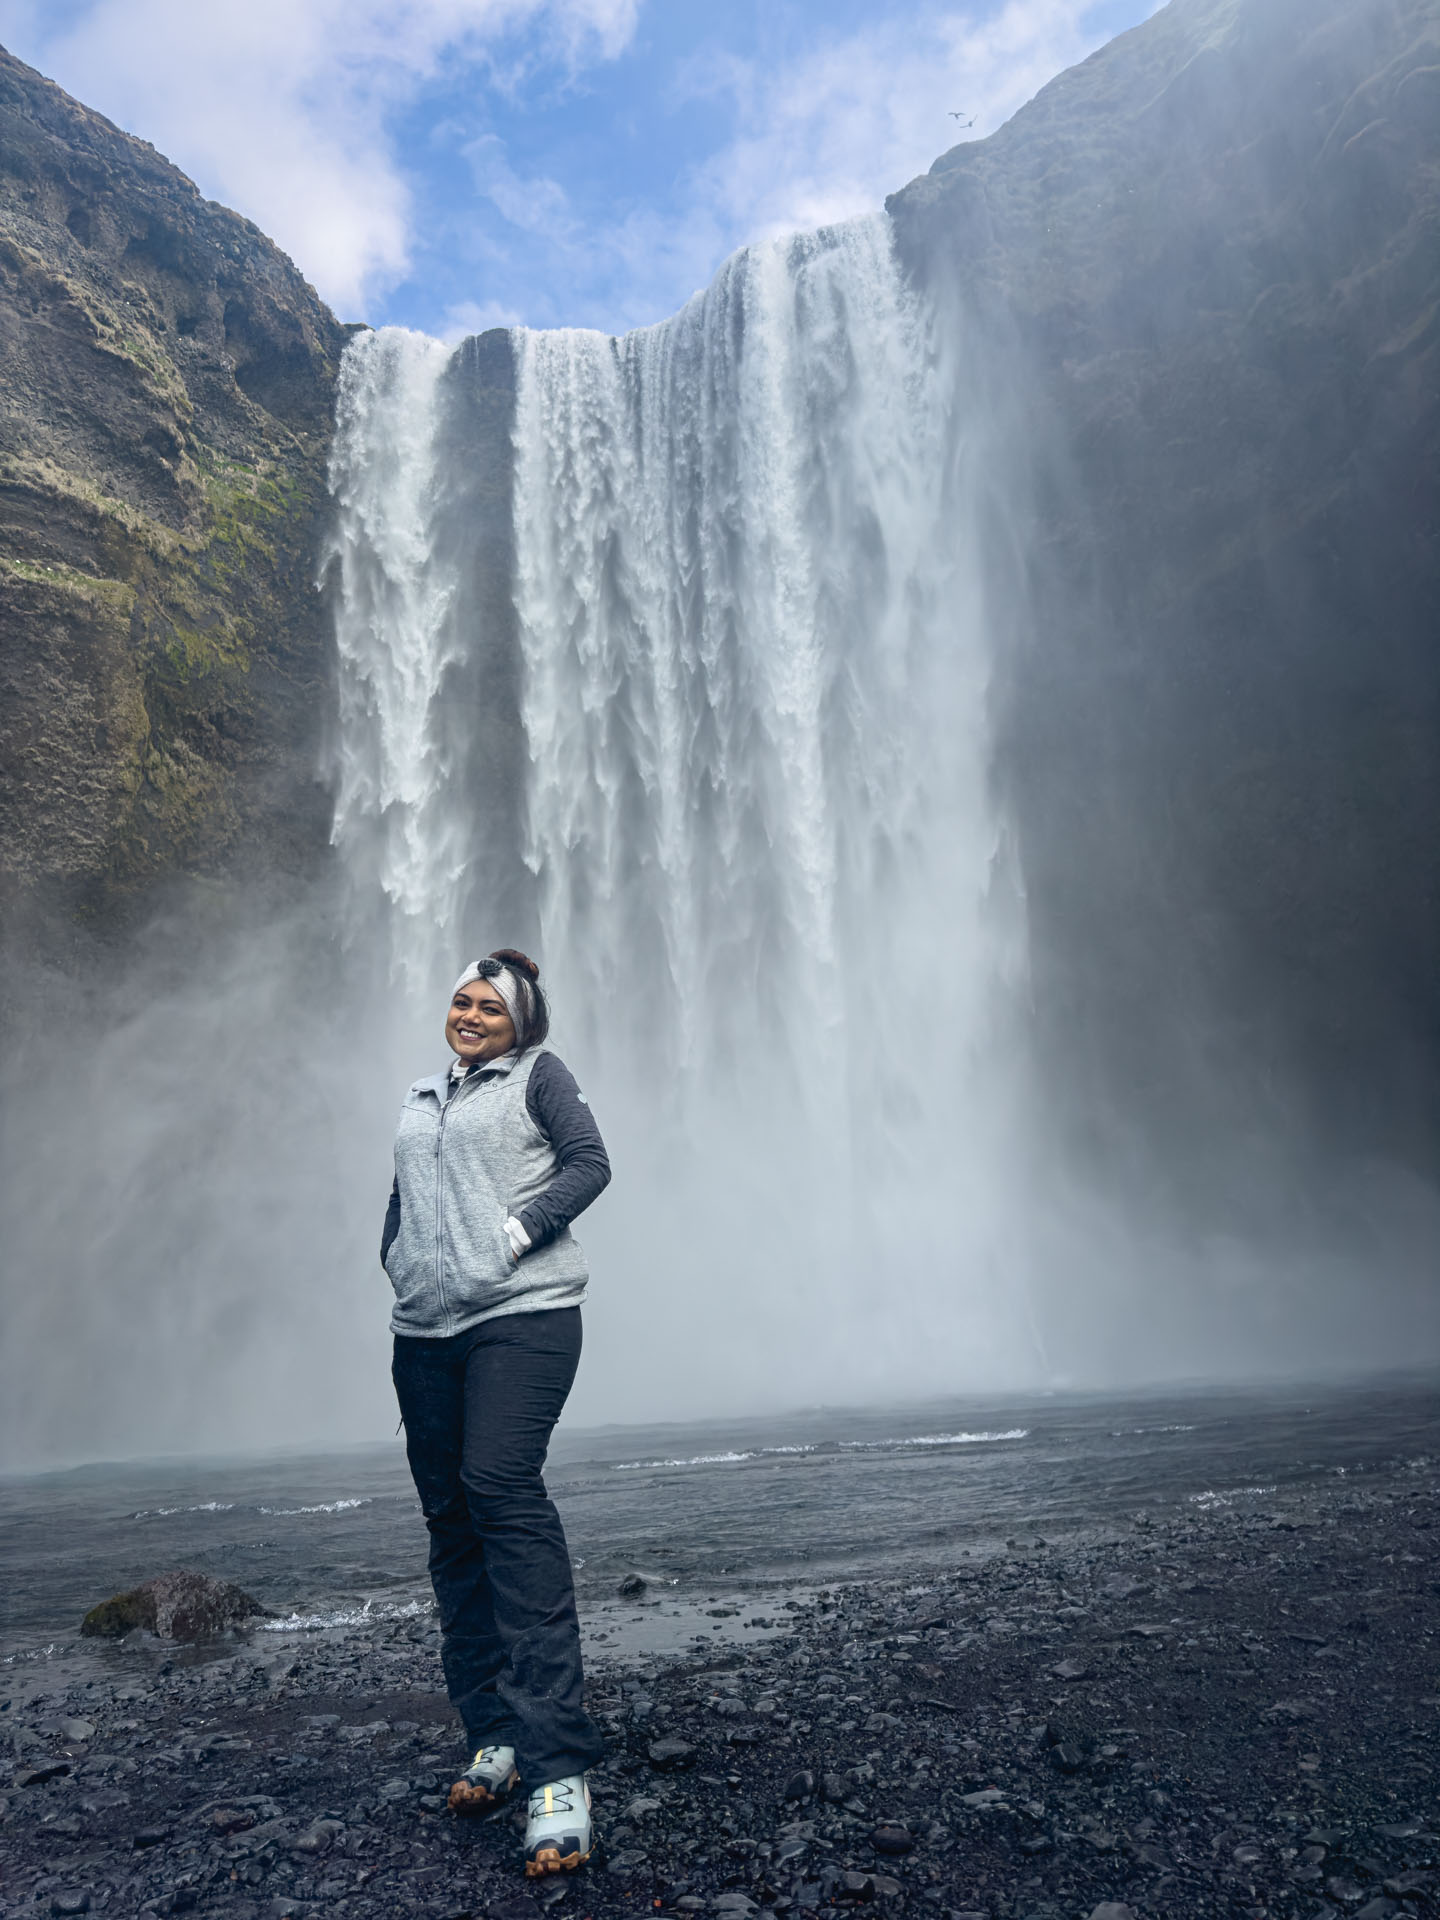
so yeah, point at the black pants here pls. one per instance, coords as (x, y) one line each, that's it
(478, 1410)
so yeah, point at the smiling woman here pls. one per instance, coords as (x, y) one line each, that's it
(494, 1157)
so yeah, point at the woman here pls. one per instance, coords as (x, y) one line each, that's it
(494, 1158)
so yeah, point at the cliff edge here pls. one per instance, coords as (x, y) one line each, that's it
(164, 420)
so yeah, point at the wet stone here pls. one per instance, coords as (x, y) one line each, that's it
(892, 1838)
(231, 1819)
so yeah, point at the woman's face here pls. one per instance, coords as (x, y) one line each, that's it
(477, 1026)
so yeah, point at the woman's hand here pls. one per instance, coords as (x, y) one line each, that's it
(518, 1237)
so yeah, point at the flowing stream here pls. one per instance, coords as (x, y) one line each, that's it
(740, 646)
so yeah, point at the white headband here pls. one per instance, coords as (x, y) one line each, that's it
(512, 989)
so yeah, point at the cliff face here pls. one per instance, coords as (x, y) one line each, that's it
(164, 419)
(1210, 260)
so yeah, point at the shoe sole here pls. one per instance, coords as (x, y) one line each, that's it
(465, 1798)
(551, 1860)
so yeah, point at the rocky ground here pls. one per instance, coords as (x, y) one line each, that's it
(1234, 1714)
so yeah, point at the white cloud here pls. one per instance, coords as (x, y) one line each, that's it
(535, 205)
(820, 138)
(284, 109)
(278, 107)
(831, 134)
(477, 316)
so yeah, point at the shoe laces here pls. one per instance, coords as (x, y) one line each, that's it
(557, 1797)
(482, 1754)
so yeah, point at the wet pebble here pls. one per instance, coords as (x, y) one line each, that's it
(892, 1838)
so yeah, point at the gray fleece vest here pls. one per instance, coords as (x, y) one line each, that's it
(463, 1165)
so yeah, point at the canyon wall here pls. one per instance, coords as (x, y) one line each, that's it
(164, 420)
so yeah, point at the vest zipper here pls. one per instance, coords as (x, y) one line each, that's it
(440, 1209)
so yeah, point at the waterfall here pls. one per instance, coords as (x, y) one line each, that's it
(392, 633)
(748, 823)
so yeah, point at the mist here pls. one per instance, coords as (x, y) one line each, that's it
(945, 711)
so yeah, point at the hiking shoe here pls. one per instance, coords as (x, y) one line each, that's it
(487, 1780)
(557, 1832)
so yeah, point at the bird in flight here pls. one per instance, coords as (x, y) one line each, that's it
(961, 118)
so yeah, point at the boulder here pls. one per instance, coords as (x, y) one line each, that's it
(176, 1606)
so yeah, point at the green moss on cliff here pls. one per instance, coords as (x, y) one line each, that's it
(163, 428)
(119, 594)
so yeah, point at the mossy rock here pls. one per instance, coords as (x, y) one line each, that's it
(176, 1606)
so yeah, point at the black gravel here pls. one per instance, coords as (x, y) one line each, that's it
(1234, 1714)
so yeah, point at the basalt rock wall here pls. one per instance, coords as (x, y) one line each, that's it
(164, 418)
(1208, 262)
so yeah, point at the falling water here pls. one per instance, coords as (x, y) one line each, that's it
(753, 837)
(394, 633)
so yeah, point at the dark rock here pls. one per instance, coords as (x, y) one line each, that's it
(1121, 1586)
(892, 1838)
(632, 1586)
(1067, 1758)
(1112, 1910)
(670, 1754)
(44, 1770)
(513, 1905)
(1292, 1710)
(1071, 1670)
(224, 1820)
(151, 1836)
(174, 1606)
(626, 1861)
(1419, 1880)
(801, 1785)
(70, 1902)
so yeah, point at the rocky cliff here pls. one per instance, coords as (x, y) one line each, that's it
(1210, 259)
(164, 419)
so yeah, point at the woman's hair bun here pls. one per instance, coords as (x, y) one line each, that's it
(513, 958)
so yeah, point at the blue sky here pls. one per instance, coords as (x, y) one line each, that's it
(452, 164)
